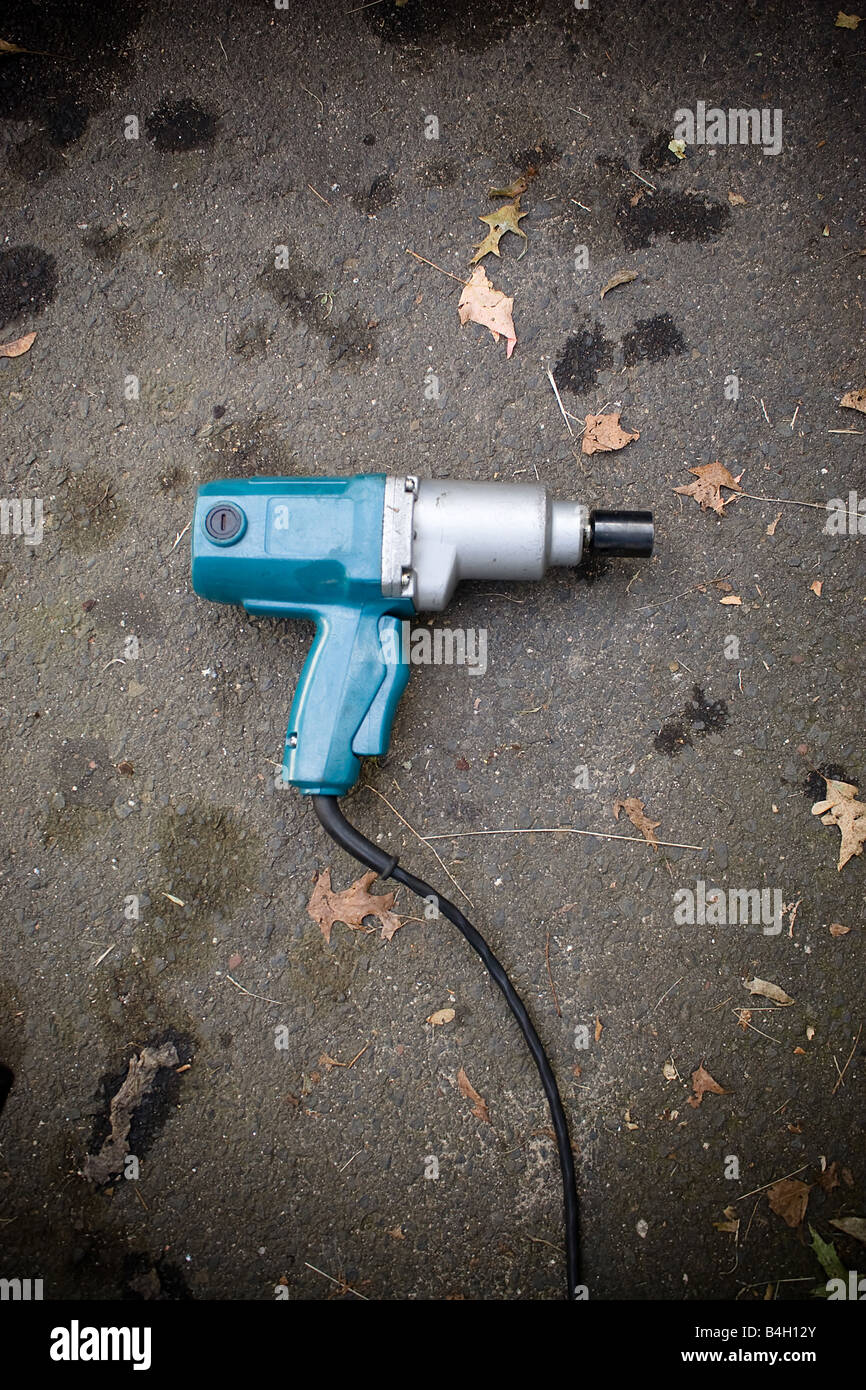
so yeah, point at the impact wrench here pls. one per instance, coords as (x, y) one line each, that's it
(360, 556)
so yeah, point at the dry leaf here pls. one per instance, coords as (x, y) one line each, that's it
(852, 1226)
(18, 346)
(836, 929)
(481, 303)
(677, 147)
(816, 586)
(788, 1199)
(855, 400)
(604, 433)
(396, 1233)
(810, 1032)
(11, 47)
(441, 1016)
(711, 478)
(744, 1017)
(622, 277)
(513, 190)
(771, 529)
(829, 1179)
(842, 808)
(599, 1027)
(732, 599)
(140, 1076)
(351, 906)
(767, 990)
(736, 199)
(504, 219)
(172, 899)
(847, 21)
(467, 1090)
(732, 1224)
(669, 1071)
(635, 812)
(701, 1083)
(799, 1052)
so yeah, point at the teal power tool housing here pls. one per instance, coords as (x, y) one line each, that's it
(358, 556)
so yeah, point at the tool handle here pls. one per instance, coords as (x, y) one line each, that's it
(346, 699)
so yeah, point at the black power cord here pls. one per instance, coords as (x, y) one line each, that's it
(362, 849)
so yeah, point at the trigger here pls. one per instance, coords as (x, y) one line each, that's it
(374, 731)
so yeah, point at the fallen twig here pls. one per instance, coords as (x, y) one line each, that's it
(410, 252)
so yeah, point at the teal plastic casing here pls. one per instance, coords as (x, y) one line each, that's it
(312, 548)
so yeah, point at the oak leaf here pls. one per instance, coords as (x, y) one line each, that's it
(467, 1090)
(711, 478)
(633, 808)
(789, 1198)
(504, 219)
(701, 1083)
(604, 434)
(481, 303)
(841, 808)
(351, 905)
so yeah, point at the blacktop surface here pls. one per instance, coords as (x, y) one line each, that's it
(155, 879)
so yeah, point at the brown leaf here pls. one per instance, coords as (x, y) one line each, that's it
(852, 1226)
(604, 433)
(855, 400)
(481, 303)
(351, 905)
(126, 768)
(633, 808)
(816, 586)
(514, 189)
(703, 1082)
(767, 991)
(841, 808)
(18, 346)
(711, 478)
(836, 929)
(140, 1076)
(736, 199)
(622, 277)
(504, 219)
(599, 1028)
(789, 1199)
(846, 21)
(440, 1017)
(732, 600)
(468, 1091)
(771, 529)
(829, 1179)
